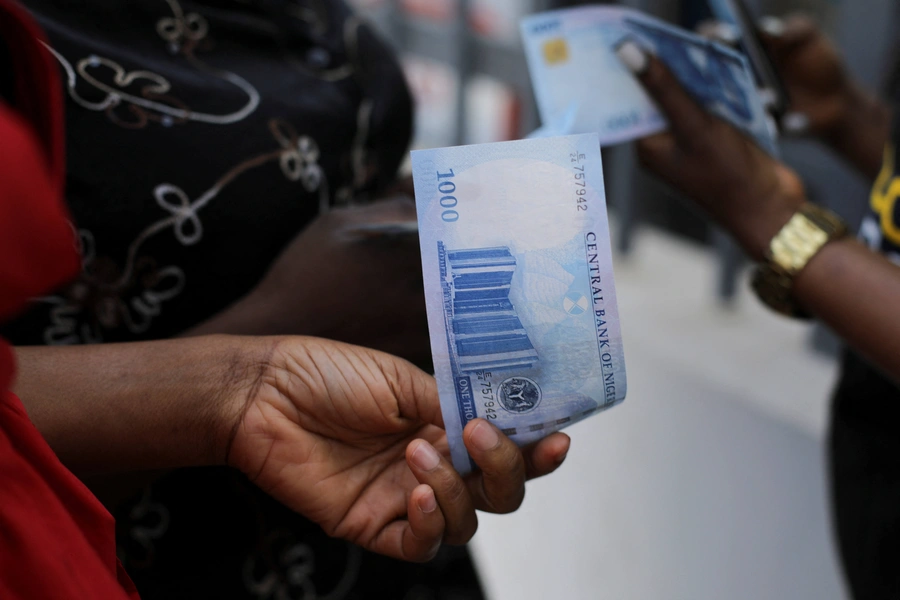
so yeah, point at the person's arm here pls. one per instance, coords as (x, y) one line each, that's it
(856, 292)
(753, 196)
(349, 437)
(110, 408)
(323, 282)
(829, 103)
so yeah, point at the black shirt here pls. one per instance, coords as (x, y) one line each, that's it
(201, 138)
(864, 442)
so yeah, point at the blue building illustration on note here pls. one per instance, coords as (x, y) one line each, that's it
(483, 330)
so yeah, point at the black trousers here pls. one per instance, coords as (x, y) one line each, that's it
(864, 454)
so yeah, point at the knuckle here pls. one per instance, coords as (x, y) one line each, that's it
(501, 459)
(351, 531)
(514, 466)
(514, 502)
(506, 495)
(454, 490)
(449, 487)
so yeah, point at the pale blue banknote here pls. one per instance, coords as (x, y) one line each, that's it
(725, 12)
(519, 285)
(734, 13)
(581, 86)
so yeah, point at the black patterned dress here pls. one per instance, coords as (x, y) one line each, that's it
(201, 138)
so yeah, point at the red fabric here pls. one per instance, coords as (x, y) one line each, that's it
(37, 245)
(56, 539)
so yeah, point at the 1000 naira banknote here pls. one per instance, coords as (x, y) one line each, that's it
(581, 86)
(519, 285)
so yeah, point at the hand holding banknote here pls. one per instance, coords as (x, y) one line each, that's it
(747, 191)
(352, 439)
(581, 88)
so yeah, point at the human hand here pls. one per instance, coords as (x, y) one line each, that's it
(823, 95)
(352, 439)
(333, 284)
(740, 186)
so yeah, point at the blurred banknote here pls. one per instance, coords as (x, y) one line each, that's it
(734, 15)
(519, 285)
(581, 86)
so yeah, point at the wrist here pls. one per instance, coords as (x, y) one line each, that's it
(772, 215)
(115, 408)
(810, 231)
(245, 364)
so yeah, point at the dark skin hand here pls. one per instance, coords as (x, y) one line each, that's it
(332, 284)
(853, 122)
(752, 196)
(349, 437)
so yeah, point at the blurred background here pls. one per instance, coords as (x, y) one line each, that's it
(709, 482)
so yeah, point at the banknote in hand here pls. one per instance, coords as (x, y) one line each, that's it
(519, 285)
(581, 86)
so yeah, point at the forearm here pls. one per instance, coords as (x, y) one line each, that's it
(855, 292)
(263, 313)
(860, 137)
(125, 407)
(248, 316)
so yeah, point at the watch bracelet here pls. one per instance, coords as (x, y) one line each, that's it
(808, 231)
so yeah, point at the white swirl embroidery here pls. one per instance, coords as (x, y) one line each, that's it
(122, 300)
(298, 160)
(289, 573)
(143, 531)
(182, 32)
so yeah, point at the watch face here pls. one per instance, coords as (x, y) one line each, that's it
(790, 251)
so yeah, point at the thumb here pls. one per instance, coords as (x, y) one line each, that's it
(415, 390)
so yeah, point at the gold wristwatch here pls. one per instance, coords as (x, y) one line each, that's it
(804, 235)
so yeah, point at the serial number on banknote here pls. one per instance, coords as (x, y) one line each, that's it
(488, 402)
(580, 183)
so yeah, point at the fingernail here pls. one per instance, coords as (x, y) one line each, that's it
(425, 457)
(772, 26)
(427, 503)
(561, 458)
(727, 34)
(633, 57)
(768, 97)
(795, 123)
(485, 437)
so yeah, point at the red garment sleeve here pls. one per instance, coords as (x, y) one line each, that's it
(56, 540)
